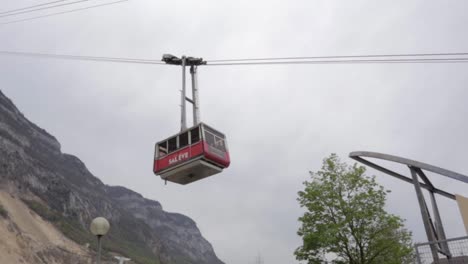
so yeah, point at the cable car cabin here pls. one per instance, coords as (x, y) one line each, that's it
(191, 155)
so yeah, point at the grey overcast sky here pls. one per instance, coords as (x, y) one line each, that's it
(281, 121)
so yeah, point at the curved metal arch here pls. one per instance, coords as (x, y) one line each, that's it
(418, 166)
(434, 228)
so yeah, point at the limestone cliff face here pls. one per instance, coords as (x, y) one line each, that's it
(63, 191)
(176, 229)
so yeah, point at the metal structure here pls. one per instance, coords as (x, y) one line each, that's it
(196, 152)
(438, 244)
(193, 63)
(458, 248)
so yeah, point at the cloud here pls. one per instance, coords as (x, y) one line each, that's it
(280, 120)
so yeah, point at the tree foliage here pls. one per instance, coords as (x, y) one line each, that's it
(345, 220)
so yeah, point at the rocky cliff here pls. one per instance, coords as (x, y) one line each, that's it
(60, 190)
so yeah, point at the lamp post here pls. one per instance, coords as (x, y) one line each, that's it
(99, 227)
(122, 260)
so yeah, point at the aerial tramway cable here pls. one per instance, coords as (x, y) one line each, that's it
(341, 57)
(352, 61)
(63, 12)
(459, 57)
(30, 7)
(84, 58)
(43, 8)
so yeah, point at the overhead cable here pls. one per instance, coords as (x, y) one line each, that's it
(351, 61)
(369, 60)
(29, 7)
(43, 8)
(342, 57)
(85, 58)
(60, 13)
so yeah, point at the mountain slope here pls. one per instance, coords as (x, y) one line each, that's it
(61, 190)
(27, 238)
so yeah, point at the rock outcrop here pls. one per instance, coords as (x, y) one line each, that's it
(61, 190)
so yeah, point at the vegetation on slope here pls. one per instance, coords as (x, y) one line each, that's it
(119, 240)
(3, 212)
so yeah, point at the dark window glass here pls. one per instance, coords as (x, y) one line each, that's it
(172, 144)
(214, 139)
(214, 132)
(219, 144)
(210, 139)
(195, 135)
(183, 140)
(162, 149)
(215, 142)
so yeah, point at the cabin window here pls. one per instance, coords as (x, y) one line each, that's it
(209, 138)
(183, 140)
(219, 144)
(172, 144)
(213, 132)
(195, 135)
(162, 148)
(215, 141)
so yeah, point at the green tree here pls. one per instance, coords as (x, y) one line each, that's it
(345, 219)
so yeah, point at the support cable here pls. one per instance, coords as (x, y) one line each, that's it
(198, 61)
(85, 58)
(351, 61)
(29, 7)
(64, 12)
(343, 57)
(43, 8)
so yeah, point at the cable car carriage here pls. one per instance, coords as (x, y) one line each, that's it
(191, 155)
(196, 152)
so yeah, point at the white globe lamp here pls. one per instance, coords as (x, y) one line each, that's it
(99, 227)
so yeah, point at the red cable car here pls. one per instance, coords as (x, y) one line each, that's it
(191, 155)
(194, 153)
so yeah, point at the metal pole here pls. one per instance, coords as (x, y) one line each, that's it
(438, 223)
(99, 250)
(196, 106)
(183, 119)
(424, 213)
